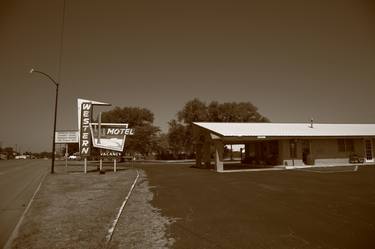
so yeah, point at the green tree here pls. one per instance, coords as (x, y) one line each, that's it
(45, 154)
(181, 133)
(194, 111)
(9, 152)
(73, 148)
(197, 111)
(177, 137)
(213, 111)
(161, 146)
(141, 120)
(234, 112)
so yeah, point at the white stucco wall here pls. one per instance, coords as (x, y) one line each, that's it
(323, 151)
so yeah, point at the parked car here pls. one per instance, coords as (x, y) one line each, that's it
(72, 157)
(21, 157)
(354, 158)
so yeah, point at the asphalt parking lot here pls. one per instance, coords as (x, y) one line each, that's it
(273, 209)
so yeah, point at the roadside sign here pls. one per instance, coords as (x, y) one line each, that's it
(85, 107)
(66, 137)
(85, 136)
(110, 136)
(110, 153)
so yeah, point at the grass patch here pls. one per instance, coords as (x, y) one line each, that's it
(74, 210)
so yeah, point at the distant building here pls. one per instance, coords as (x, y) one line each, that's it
(286, 144)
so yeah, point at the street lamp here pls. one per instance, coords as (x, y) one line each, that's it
(54, 121)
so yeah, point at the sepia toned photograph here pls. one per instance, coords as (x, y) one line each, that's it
(187, 124)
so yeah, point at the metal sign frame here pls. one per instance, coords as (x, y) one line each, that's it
(110, 136)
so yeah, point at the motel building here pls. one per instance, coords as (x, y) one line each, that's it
(284, 145)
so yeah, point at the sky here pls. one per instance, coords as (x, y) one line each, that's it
(293, 59)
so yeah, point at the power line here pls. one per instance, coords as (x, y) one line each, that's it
(61, 43)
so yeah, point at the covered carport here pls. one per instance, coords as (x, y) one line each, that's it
(209, 144)
(283, 144)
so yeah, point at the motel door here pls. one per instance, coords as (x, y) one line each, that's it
(306, 150)
(368, 151)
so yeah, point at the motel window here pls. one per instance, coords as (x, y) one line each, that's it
(345, 145)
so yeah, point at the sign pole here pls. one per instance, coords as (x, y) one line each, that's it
(99, 134)
(54, 131)
(66, 156)
(85, 165)
(100, 163)
(114, 165)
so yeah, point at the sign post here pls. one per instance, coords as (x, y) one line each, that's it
(100, 151)
(66, 156)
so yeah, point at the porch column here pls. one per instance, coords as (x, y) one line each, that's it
(219, 150)
(247, 149)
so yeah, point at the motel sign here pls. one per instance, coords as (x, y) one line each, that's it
(85, 143)
(108, 136)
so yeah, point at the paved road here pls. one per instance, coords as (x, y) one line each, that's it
(18, 182)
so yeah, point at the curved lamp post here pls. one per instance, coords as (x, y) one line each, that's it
(54, 121)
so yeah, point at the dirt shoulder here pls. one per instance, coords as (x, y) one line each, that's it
(143, 226)
(76, 210)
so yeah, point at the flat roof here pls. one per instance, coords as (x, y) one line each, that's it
(287, 129)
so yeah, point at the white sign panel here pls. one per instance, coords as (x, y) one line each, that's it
(66, 137)
(84, 118)
(110, 136)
